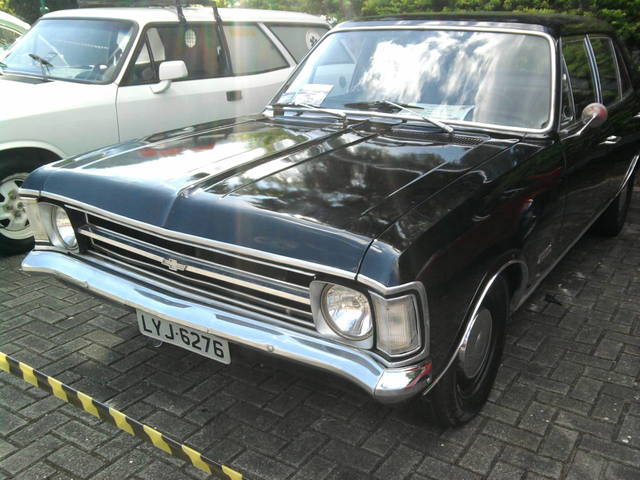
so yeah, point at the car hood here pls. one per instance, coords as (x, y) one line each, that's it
(314, 192)
(23, 97)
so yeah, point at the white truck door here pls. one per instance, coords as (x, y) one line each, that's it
(206, 94)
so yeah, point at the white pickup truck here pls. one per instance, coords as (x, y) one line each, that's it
(87, 78)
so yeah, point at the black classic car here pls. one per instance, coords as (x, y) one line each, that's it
(407, 189)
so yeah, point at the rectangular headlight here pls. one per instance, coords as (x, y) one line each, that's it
(397, 331)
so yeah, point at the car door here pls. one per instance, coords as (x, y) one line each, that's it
(588, 175)
(207, 93)
(621, 130)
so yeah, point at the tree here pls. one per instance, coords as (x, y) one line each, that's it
(623, 15)
(29, 10)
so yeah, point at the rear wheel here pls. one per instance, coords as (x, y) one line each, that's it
(15, 232)
(464, 388)
(612, 220)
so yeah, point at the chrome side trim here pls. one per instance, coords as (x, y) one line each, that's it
(630, 170)
(249, 254)
(27, 192)
(388, 385)
(470, 322)
(292, 292)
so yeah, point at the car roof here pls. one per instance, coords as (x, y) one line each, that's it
(555, 24)
(194, 14)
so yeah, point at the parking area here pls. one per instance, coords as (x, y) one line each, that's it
(566, 403)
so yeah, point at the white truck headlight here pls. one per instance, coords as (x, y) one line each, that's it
(397, 331)
(347, 312)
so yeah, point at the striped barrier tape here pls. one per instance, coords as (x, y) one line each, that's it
(115, 417)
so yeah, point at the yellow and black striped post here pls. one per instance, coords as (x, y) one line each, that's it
(119, 419)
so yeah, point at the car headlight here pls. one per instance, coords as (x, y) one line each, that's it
(347, 312)
(62, 233)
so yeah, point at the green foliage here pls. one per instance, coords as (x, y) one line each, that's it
(5, 8)
(29, 10)
(624, 15)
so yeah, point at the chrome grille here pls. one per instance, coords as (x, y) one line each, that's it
(251, 284)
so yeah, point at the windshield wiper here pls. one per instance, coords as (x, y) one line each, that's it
(43, 63)
(401, 106)
(341, 115)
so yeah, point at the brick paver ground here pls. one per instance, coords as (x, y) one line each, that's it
(566, 402)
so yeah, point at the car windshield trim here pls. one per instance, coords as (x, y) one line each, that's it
(119, 69)
(551, 121)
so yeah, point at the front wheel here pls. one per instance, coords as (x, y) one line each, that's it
(464, 388)
(15, 232)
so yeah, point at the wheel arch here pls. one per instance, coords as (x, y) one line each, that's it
(37, 152)
(513, 269)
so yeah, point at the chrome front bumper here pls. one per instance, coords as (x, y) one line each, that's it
(387, 385)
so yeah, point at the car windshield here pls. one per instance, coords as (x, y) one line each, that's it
(451, 75)
(65, 49)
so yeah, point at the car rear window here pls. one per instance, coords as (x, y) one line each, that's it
(298, 39)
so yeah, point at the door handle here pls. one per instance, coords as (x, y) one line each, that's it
(612, 140)
(234, 95)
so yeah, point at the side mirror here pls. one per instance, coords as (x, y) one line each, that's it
(593, 115)
(168, 72)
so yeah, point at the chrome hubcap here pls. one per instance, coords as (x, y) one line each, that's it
(475, 345)
(13, 218)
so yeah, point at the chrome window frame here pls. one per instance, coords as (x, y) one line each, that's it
(488, 126)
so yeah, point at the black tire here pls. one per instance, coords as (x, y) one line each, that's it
(612, 219)
(13, 171)
(459, 396)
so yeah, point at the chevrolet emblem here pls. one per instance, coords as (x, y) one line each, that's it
(173, 265)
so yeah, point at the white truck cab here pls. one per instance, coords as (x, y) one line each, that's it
(83, 79)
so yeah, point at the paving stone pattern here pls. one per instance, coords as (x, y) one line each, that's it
(566, 402)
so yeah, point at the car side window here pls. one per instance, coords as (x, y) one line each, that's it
(194, 44)
(581, 77)
(298, 39)
(607, 69)
(252, 51)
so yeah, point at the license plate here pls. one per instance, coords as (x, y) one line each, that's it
(194, 340)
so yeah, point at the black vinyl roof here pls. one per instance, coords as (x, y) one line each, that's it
(555, 24)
